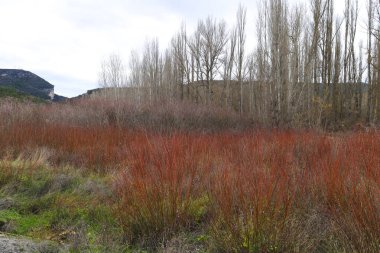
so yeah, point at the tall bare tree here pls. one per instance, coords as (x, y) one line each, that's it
(213, 38)
(135, 77)
(296, 84)
(113, 72)
(152, 68)
(180, 53)
(241, 17)
(279, 59)
(369, 60)
(228, 60)
(113, 76)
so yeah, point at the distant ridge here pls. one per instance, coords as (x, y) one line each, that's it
(28, 83)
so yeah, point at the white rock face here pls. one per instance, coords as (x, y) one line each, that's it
(51, 94)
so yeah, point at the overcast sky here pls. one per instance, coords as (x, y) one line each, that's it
(64, 41)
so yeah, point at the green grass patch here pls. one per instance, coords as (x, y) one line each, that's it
(28, 225)
(59, 204)
(10, 92)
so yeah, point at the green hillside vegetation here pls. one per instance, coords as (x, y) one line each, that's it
(9, 92)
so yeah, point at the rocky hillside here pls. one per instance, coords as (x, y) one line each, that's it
(27, 83)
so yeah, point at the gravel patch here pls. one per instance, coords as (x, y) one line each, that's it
(13, 244)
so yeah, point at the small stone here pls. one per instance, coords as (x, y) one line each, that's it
(6, 203)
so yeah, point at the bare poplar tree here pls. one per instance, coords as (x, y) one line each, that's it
(295, 85)
(112, 73)
(169, 84)
(263, 64)
(152, 69)
(336, 89)
(327, 63)
(279, 60)
(251, 71)
(369, 61)
(135, 77)
(241, 17)
(228, 60)
(213, 38)
(180, 53)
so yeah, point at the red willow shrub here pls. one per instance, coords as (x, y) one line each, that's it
(161, 186)
(255, 190)
(263, 189)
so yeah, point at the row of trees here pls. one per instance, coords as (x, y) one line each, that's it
(305, 70)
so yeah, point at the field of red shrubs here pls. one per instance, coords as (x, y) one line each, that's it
(247, 190)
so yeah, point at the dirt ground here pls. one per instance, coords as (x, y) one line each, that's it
(13, 244)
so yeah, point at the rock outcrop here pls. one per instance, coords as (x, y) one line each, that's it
(26, 82)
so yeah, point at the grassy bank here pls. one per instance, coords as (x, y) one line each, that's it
(60, 204)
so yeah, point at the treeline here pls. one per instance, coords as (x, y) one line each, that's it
(308, 68)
